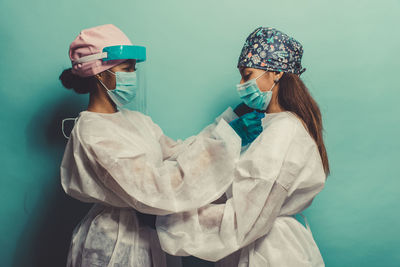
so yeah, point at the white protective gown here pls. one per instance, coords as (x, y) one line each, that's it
(123, 162)
(277, 177)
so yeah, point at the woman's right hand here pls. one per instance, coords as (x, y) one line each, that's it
(248, 126)
(147, 219)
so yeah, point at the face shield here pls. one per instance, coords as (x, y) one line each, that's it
(139, 102)
(122, 91)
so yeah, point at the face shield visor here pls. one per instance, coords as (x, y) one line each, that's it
(130, 90)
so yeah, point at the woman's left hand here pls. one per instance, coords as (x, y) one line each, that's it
(248, 126)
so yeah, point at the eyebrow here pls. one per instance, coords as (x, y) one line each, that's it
(129, 62)
(127, 65)
(247, 72)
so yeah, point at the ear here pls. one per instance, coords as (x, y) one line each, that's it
(277, 76)
(99, 76)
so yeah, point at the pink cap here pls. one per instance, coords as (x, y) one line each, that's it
(92, 41)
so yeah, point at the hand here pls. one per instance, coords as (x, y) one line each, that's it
(242, 109)
(248, 126)
(147, 219)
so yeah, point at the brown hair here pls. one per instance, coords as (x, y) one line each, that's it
(81, 85)
(293, 95)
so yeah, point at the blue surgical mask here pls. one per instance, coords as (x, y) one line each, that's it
(125, 87)
(252, 96)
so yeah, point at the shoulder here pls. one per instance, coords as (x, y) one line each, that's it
(133, 113)
(302, 146)
(97, 127)
(89, 123)
(284, 119)
(92, 127)
(284, 131)
(137, 117)
(145, 121)
(286, 123)
(282, 124)
(279, 129)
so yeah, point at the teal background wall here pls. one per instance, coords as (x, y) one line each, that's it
(352, 59)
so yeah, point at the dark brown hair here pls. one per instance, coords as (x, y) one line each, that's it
(293, 95)
(81, 85)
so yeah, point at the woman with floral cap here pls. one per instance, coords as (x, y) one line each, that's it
(276, 178)
(120, 159)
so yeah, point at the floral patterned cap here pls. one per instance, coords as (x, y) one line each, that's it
(272, 50)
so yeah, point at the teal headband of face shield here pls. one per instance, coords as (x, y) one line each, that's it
(125, 52)
(117, 52)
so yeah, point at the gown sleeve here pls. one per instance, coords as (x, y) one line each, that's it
(171, 148)
(99, 167)
(263, 176)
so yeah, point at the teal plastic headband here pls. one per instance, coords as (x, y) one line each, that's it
(116, 52)
(125, 52)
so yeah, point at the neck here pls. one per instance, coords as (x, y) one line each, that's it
(100, 102)
(274, 106)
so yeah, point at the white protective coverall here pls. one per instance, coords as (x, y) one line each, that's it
(277, 177)
(123, 162)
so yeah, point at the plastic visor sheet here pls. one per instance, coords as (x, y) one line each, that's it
(139, 103)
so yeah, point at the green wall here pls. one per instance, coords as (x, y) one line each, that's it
(352, 60)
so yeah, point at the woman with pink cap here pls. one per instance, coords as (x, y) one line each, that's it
(121, 161)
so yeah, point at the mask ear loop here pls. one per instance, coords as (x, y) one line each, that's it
(109, 93)
(275, 82)
(105, 87)
(62, 125)
(111, 72)
(242, 86)
(260, 75)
